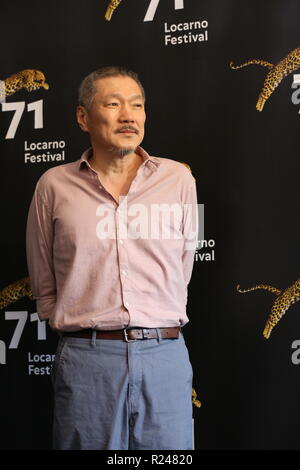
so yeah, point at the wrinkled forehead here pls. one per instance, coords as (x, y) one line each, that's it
(122, 86)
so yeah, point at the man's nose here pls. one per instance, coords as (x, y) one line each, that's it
(126, 114)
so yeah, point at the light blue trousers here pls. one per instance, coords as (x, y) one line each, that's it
(114, 395)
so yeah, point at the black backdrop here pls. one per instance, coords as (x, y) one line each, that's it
(246, 164)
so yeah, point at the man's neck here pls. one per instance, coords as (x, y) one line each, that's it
(112, 165)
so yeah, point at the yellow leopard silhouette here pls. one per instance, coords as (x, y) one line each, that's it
(113, 4)
(29, 79)
(195, 402)
(15, 291)
(282, 303)
(277, 72)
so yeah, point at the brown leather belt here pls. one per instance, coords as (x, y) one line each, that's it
(128, 334)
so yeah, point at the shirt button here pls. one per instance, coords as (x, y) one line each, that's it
(121, 242)
(124, 272)
(126, 304)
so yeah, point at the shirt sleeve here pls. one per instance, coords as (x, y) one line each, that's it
(39, 240)
(190, 230)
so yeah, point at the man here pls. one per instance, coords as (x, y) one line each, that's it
(110, 248)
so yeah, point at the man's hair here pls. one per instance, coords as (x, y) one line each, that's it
(87, 89)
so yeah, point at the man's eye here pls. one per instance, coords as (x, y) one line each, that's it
(137, 105)
(113, 104)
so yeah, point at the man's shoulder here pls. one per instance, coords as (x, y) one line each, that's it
(56, 172)
(174, 166)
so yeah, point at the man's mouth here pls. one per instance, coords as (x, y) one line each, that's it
(127, 130)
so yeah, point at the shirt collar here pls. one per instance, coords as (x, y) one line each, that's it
(151, 162)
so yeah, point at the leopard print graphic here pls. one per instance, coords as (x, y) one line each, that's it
(28, 79)
(15, 291)
(195, 402)
(113, 4)
(277, 72)
(284, 299)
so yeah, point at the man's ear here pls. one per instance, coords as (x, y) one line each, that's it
(81, 115)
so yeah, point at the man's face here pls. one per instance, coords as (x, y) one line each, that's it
(116, 117)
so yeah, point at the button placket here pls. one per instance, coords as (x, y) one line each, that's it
(121, 234)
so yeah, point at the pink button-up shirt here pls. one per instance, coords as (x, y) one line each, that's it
(94, 263)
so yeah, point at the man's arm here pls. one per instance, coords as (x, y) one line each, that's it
(190, 230)
(39, 247)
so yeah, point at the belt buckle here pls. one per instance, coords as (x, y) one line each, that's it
(126, 336)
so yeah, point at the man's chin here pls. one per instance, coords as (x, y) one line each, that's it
(122, 151)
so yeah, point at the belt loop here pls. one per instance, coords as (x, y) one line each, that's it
(93, 338)
(159, 338)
